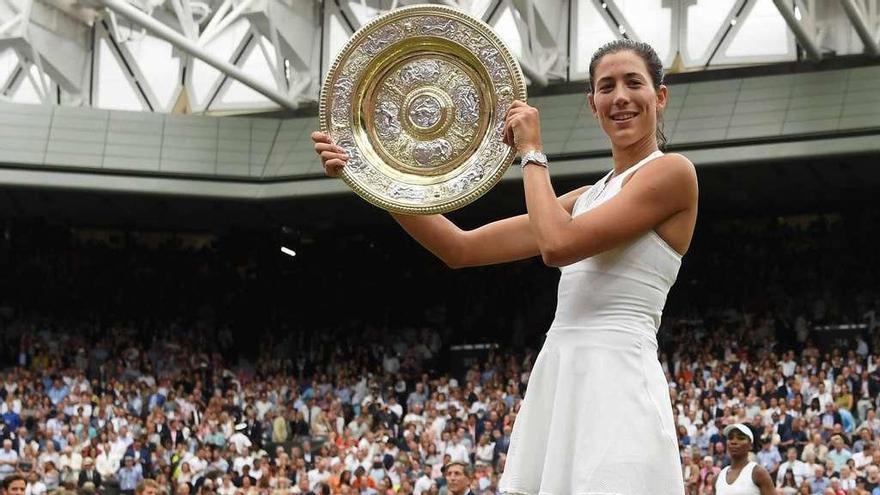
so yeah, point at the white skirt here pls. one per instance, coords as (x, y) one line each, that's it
(596, 419)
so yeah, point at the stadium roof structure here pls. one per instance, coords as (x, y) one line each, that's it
(125, 96)
(247, 56)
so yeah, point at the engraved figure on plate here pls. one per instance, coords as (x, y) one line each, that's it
(425, 111)
(387, 123)
(382, 38)
(467, 103)
(431, 152)
(434, 26)
(421, 71)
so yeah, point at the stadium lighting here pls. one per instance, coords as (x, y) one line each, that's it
(733, 22)
(288, 251)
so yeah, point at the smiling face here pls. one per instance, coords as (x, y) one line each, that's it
(624, 99)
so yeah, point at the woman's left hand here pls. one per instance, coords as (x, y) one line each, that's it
(522, 127)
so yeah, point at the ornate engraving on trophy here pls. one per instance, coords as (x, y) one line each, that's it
(424, 111)
(437, 26)
(387, 123)
(431, 152)
(381, 39)
(467, 103)
(417, 100)
(411, 193)
(422, 71)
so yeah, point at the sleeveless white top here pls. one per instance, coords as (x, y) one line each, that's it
(634, 278)
(743, 485)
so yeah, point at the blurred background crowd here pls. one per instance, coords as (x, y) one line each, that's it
(212, 364)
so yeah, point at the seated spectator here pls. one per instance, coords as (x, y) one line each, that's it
(787, 485)
(819, 482)
(839, 454)
(800, 471)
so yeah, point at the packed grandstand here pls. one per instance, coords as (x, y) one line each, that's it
(778, 330)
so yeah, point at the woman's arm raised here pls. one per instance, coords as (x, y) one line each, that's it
(505, 240)
(661, 190)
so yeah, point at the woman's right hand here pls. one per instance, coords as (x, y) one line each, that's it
(333, 157)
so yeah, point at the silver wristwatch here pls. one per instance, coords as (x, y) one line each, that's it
(533, 156)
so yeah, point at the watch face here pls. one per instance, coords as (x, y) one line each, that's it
(536, 156)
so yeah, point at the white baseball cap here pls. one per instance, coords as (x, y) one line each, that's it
(745, 430)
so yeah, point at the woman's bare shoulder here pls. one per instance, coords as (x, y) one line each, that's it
(677, 163)
(670, 170)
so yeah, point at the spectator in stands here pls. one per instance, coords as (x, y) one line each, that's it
(839, 454)
(819, 482)
(816, 448)
(8, 460)
(134, 391)
(798, 469)
(129, 476)
(88, 474)
(787, 485)
(14, 485)
(458, 476)
(768, 456)
(35, 485)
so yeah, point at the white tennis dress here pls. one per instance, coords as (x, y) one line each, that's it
(597, 417)
(742, 485)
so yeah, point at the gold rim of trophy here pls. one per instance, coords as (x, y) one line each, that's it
(471, 141)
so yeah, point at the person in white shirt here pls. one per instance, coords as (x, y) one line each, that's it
(105, 463)
(847, 479)
(742, 477)
(226, 488)
(263, 405)
(8, 459)
(35, 486)
(53, 425)
(199, 463)
(394, 407)
(480, 405)
(865, 456)
(12, 403)
(72, 460)
(415, 416)
(437, 422)
(485, 450)
(788, 364)
(872, 422)
(49, 455)
(823, 395)
(797, 467)
(390, 363)
(239, 440)
(318, 475)
(423, 484)
(457, 451)
(241, 461)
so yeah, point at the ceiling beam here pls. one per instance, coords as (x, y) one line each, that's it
(192, 47)
(807, 40)
(857, 17)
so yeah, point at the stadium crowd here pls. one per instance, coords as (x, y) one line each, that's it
(104, 414)
(102, 407)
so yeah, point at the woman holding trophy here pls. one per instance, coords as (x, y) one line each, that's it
(597, 416)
